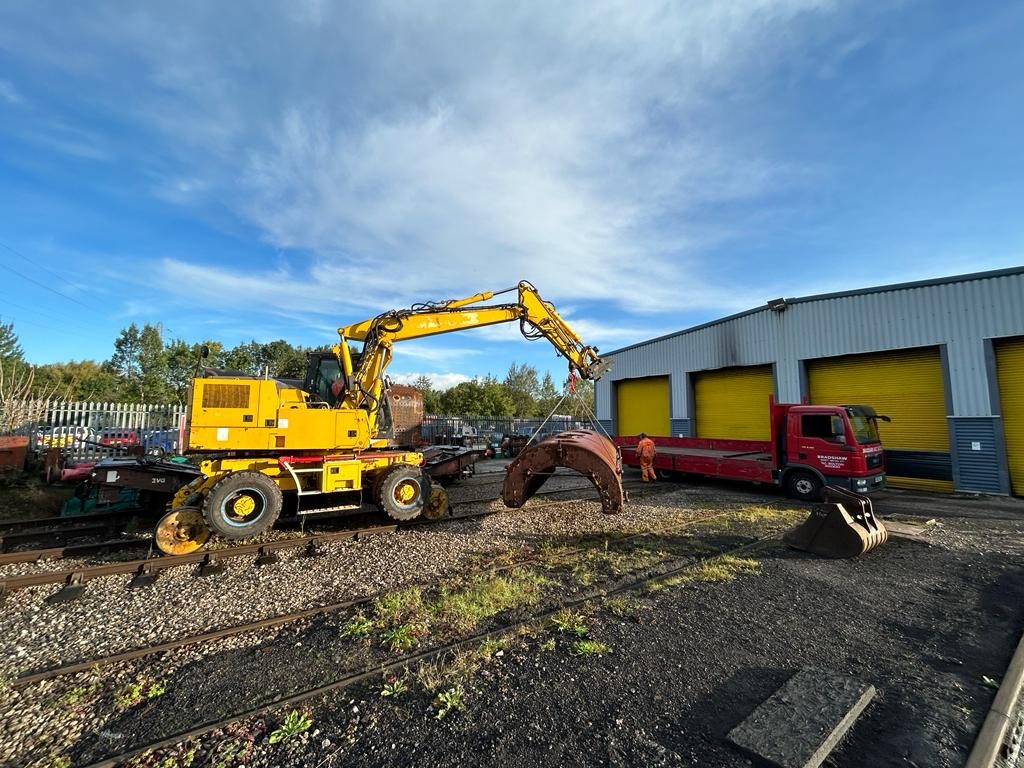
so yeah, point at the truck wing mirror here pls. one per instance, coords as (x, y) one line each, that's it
(885, 418)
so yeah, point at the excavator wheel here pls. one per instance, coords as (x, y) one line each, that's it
(242, 504)
(181, 531)
(402, 492)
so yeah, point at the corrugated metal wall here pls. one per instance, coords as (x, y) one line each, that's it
(959, 316)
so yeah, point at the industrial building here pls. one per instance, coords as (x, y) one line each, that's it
(944, 359)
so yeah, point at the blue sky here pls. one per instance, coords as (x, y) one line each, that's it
(276, 169)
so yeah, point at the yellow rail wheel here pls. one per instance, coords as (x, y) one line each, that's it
(438, 505)
(402, 492)
(242, 504)
(181, 531)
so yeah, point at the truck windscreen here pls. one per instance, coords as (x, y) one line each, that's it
(865, 428)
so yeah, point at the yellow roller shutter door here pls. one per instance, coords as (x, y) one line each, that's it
(907, 386)
(643, 406)
(1010, 374)
(732, 403)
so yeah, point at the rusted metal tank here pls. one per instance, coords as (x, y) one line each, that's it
(406, 414)
(590, 454)
(13, 451)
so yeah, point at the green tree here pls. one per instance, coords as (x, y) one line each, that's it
(78, 380)
(522, 389)
(547, 395)
(247, 358)
(140, 362)
(182, 361)
(479, 397)
(581, 404)
(283, 360)
(10, 346)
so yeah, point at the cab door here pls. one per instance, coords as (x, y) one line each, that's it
(819, 439)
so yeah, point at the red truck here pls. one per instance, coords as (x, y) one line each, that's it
(811, 446)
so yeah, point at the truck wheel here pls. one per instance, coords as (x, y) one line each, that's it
(803, 485)
(242, 504)
(402, 492)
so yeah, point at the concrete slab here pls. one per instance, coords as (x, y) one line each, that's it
(802, 722)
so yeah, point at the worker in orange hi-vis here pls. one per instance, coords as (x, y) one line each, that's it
(645, 451)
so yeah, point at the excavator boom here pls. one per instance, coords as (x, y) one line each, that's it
(537, 319)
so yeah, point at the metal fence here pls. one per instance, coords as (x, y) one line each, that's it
(91, 431)
(485, 430)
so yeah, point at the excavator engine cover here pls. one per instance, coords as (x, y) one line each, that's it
(844, 526)
(588, 453)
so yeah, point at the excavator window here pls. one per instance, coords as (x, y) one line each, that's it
(326, 373)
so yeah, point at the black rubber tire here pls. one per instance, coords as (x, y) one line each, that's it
(391, 479)
(260, 488)
(803, 485)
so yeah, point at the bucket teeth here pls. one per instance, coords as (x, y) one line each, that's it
(844, 526)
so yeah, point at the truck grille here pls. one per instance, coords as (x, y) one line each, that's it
(874, 460)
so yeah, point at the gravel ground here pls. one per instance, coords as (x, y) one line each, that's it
(111, 618)
(922, 619)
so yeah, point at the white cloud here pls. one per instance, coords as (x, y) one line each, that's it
(420, 151)
(8, 92)
(440, 381)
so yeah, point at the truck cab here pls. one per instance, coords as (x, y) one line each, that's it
(830, 444)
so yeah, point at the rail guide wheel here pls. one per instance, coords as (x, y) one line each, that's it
(438, 505)
(181, 531)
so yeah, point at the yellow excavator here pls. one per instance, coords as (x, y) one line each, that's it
(258, 439)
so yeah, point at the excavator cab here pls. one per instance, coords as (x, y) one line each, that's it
(322, 371)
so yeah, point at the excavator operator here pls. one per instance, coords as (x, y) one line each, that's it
(645, 451)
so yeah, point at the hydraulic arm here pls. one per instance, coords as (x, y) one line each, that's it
(364, 380)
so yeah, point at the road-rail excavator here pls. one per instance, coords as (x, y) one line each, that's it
(257, 440)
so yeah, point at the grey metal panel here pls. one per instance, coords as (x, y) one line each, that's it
(957, 313)
(606, 425)
(977, 466)
(681, 427)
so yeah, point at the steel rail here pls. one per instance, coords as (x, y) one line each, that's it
(77, 550)
(148, 567)
(288, 618)
(646, 577)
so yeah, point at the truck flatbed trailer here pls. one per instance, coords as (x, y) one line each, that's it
(740, 459)
(811, 446)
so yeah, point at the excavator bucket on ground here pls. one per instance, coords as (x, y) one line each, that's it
(843, 526)
(590, 454)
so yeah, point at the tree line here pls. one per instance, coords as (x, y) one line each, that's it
(146, 368)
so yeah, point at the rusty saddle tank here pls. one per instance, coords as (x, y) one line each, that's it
(592, 455)
(843, 526)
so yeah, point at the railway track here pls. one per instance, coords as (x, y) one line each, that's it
(375, 671)
(294, 616)
(145, 571)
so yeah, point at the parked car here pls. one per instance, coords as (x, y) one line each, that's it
(118, 437)
(165, 439)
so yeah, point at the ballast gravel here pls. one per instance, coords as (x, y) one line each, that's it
(110, 618)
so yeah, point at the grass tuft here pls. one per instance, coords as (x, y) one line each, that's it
(590, 648)
(295, 722)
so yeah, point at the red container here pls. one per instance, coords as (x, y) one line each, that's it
(13, 450)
